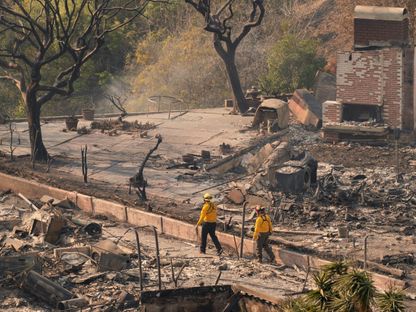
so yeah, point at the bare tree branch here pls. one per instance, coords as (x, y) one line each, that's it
(252, 21)
(225, 43)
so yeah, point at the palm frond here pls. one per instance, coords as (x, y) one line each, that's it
(359, 287)
(323, 294)
(298, 304)
(391, 300)
(343, 303)
(336, 268)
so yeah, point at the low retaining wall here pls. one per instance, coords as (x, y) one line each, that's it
(107, 115)
(165, 225)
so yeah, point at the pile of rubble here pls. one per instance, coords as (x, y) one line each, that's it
(114, 125)
(54, 253)
(345, 196)
(68, 261)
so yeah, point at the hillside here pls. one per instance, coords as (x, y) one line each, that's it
(169, 53)
(197, 75)
(331, 21)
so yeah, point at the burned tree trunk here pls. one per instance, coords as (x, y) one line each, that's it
(228, 56)
(138, 181)
(236, 84)
(38, 149)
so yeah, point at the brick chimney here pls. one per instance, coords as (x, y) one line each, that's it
(380, 27)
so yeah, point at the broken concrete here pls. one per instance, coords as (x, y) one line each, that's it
(236, 196)
(306, 108)
(234, 160)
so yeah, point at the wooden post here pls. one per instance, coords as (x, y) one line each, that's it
(365, 251)
(139, 255)
(158, 259)
(84, 163)
(242, 230)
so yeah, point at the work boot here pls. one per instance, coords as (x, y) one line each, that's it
(220, 251)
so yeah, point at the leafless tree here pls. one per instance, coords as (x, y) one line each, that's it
(225, 42)
(118, 101)
(39, 35)
(138, 181)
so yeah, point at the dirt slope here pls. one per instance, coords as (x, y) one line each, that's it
(332, 20)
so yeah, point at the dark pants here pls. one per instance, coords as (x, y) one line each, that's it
(209, 228)
(263, 242)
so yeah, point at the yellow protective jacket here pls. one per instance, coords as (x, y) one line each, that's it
(263, 225)
(208, 213)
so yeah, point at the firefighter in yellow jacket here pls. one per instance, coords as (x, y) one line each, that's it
(208, 219)
(262, 231)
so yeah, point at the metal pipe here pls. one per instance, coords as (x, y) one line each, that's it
(173, 272)
(242, 230)
(218, 278)
(179, 274)
(139, 255)
(158, 259)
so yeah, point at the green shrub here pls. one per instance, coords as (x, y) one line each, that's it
(292, 64)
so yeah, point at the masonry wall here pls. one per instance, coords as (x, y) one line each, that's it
(374, 77)
(393, 90)
(331, 112)
(369, 32)
(408, 116)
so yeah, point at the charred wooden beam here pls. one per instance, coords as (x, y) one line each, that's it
(44, 289)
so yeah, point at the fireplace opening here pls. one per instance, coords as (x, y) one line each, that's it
(361, 113)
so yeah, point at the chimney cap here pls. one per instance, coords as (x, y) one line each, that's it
(380, 13)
